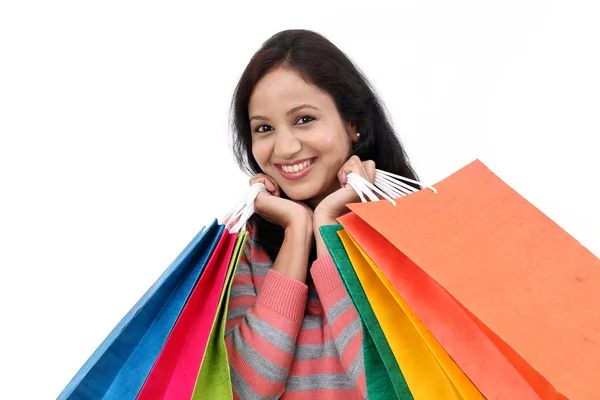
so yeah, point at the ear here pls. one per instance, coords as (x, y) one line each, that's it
(352, 130)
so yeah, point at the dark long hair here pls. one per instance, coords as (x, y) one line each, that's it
(321, 63)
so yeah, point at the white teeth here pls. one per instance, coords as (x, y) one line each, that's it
(296, 168)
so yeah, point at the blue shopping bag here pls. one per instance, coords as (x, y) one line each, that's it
(120, 365)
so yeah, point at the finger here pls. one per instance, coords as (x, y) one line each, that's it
(370, 170)
(273, 187)
(345, 171)
(356, 159)
(352, 165)
(269, 183)
(342, 174)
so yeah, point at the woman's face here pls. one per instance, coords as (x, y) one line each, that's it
(298, 136)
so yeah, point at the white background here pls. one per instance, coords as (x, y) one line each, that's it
(114, 136)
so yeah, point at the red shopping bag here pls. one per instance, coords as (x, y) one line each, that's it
(174, 374)
(512, 297)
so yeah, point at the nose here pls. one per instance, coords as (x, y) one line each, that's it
(286, 144)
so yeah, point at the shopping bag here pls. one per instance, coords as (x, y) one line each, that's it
(383, 375)
(177, 367)
(118, 367)
(214, 379)
(530, 291)
(430, 371)
(443, 316)
(174, 374)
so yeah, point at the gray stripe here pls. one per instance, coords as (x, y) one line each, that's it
(316, 382)
(242, 389)
(338, 309)
(237, 312)
(242, 290)
(261, 268)
(271, 334)
(243, 269)
(348, 334)
(240, 386)
(316, 351)
(260, 364)
(311, 322)
(257, 268)
(357, 366)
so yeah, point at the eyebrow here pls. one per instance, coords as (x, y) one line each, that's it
(290, 112)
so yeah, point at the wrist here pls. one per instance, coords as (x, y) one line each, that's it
(300, 232)
(300, 225)
(292, 260)
(322, 218)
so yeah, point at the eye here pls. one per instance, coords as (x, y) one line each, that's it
(262, 129)
(305, 119)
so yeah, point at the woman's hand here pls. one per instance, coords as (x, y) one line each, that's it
(283, 212)
(297, 221)
(334, 205)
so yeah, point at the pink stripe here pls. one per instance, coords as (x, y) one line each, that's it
(264, 347)
(351, 351)
(343, 321)
(333, 297)
(323, 394)
(258, 281)
(260, 385)
(326, 365)
(361, 383)
(312, 336)
(241, 301)
(242, 279)
(259, 256)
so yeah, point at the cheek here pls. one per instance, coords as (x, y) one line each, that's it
(335, 145)
(261, 152)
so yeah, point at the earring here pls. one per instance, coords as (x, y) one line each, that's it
(357, 135)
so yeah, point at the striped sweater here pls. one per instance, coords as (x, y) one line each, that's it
(289, 340)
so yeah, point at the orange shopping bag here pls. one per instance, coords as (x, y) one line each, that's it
(510, 295)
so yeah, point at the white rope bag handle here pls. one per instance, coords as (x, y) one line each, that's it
(243, 210)
(387, 185)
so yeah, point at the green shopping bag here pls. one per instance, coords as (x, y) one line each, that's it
(384, 377)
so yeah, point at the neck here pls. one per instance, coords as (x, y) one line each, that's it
(315, 201)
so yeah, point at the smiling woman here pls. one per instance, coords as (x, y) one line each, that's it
(304, 117)
(294, 136)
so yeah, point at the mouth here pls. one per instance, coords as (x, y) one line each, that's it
(297, 170)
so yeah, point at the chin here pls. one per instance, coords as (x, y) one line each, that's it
(299, 193)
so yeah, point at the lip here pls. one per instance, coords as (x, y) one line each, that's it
(294, 176)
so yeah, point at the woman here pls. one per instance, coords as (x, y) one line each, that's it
(304, 117)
